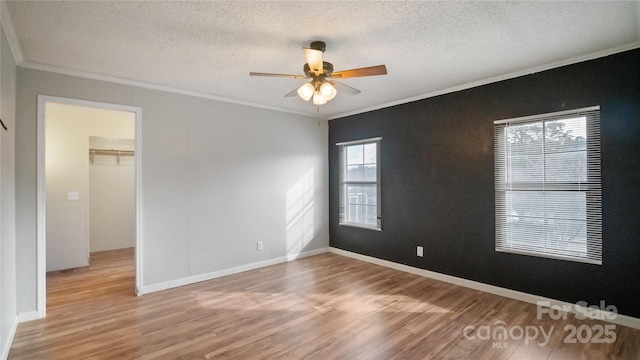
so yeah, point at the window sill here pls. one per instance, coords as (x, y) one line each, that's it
(549, 256)
(374, 228)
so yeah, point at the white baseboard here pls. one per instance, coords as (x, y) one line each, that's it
(230, 271)
(28, 316)
(618, 319)
(12, 334)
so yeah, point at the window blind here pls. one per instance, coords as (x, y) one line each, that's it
(547, 185)
(359, 203)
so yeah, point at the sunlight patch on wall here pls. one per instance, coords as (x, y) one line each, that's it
(299, 214)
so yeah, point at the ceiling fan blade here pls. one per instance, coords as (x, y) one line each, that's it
(344, 87)
(365, 71)
(314, 59)
(277, 75)
(293, 92)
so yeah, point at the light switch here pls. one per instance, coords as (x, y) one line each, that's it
(72, 195)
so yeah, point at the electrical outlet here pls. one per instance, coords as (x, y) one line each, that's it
(72, 196)
(260, 245)
(419, 251)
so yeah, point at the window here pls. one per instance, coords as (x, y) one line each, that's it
(360, 183)
(547, 181)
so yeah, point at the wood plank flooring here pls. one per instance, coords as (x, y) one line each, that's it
(322, 307)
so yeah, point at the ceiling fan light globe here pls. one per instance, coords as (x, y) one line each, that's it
(306, 91)
(328, 91)
(319, 99)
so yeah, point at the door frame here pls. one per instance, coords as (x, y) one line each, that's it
(41, 231)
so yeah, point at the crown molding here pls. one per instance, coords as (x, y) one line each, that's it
(152, 86)
(7, 25)
(493, 79)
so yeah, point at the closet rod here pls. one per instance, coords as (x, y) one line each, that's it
(118, 153)
(111, 152)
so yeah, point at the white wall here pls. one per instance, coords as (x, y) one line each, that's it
(216, 178)
(111, 196)
(68, 129)
(8, 306)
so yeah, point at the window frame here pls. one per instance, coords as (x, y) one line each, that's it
(591, 187)
(343, 184)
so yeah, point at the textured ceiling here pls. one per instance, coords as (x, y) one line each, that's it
(210, 47)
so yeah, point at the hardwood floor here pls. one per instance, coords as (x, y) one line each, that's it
(322, 307)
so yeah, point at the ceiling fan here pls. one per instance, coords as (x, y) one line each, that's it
(322, 86)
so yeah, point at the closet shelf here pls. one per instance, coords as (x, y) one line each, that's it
(118, 153)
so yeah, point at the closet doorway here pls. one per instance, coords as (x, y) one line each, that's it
(88, 185)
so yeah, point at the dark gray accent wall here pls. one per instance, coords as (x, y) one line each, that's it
(438, 182)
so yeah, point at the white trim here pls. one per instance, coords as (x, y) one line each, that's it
(230, 271)
(138, 190)
(619, 319)
(147, 85)
(12, 334)
(547, 115)
(89, 103)
(28, 316)
(511, 75)
(374, 228)
(41, 214)
(10, 33)
(41, 292)
(549, 256)
(355, 142)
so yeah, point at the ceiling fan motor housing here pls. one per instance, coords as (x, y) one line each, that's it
(318, 45)
(327, 69)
